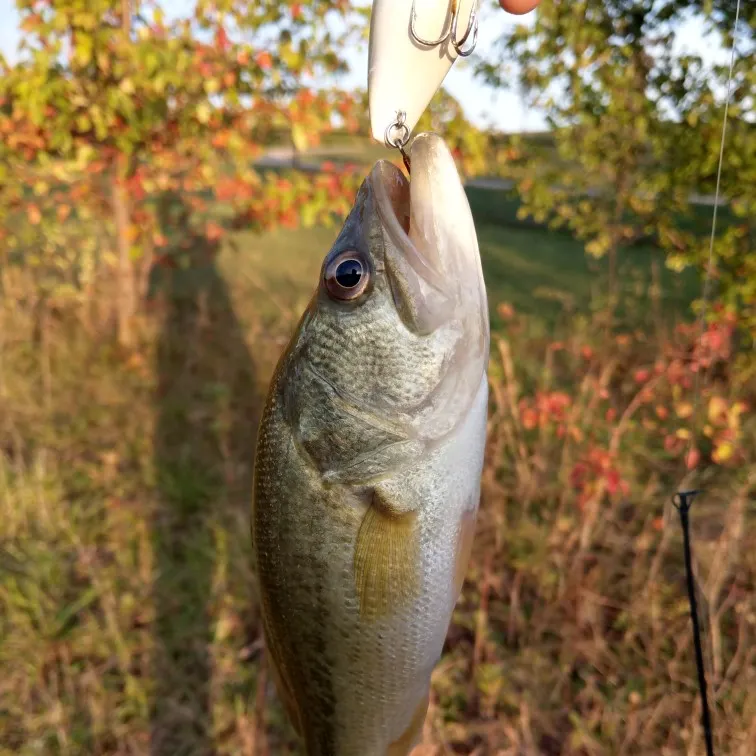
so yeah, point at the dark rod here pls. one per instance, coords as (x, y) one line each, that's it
(684, 507)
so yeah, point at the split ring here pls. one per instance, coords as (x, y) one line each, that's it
(397, 133)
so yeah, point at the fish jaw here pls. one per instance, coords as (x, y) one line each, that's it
(433, 256)
(433, 266)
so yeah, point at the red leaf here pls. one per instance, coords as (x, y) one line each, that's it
(578, 475)
(692, 458)
(612, 481)
(529, 418)
(221, 39)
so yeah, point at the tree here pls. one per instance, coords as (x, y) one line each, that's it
(636, 128)
(469, 145)
(697, 91)
(110, 94)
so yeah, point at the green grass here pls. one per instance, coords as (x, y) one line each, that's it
(541, 273)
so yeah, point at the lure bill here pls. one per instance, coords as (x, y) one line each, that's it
(370, 452)
(413, 44)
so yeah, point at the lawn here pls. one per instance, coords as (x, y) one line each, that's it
(541, 273)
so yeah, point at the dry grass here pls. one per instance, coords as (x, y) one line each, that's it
(127, 609)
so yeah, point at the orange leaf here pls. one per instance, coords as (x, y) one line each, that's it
(529, 418)
(213, 231)
(684, 410)
(34, 214)
(264, 60)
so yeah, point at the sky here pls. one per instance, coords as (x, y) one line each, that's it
(501, 110)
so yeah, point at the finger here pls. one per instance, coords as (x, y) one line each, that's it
(518, 7)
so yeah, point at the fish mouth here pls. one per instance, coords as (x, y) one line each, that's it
(433, 267)
(431, 250)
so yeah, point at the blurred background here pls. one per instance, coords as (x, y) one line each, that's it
(171, 176)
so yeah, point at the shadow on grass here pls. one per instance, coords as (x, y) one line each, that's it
(207, 416)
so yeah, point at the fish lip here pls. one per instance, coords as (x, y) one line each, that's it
(391, 190)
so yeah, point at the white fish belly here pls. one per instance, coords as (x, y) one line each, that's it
(384, 669)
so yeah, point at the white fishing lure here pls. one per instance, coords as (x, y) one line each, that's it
(413, 44)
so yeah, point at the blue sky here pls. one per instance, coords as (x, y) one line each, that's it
(504, 111)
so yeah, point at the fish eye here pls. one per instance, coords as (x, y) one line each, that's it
(347, 276)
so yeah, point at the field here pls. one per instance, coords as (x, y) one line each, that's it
(128, 616)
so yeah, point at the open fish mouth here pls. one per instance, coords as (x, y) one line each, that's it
(433, 268)
(431, 250)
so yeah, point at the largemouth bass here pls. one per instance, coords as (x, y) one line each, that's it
(368, 465)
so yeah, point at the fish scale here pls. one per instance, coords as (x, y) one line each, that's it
(393, 353)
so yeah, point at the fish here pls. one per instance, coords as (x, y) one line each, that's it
(369, 459)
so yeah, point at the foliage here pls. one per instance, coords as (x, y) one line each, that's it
(471, 147)
(694, 155)
(637, 131)
(120, 103)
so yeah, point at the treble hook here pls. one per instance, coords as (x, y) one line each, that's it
(451, 35)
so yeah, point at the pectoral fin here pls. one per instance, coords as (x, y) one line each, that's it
(386, 559)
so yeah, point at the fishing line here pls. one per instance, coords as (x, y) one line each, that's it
(683, 499)
(710, 261)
